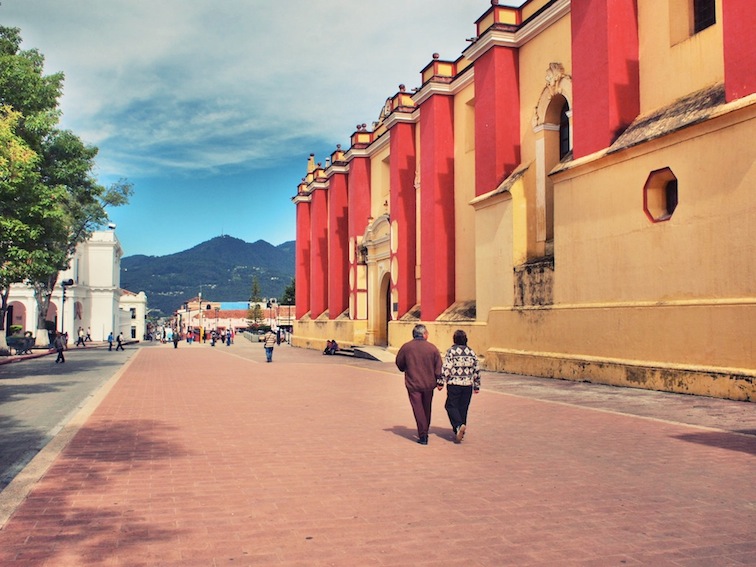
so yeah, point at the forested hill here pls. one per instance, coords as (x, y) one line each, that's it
(222, 268)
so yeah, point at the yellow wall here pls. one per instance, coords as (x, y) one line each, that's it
(493, 253)
(535, 58)
(379, 181)
(670, 68)
(464, 192)
(607, 249)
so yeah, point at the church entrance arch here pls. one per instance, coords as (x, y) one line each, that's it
(377, 242)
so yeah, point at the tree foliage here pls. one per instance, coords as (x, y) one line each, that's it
(255, 313)
(50, 200)
(289, 296)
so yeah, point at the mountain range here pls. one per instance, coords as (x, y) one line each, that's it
(222, 268)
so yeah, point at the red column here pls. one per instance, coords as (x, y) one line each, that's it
(497, 117)
(302, 256)
(403, 213)
(359, 211)
(436, 205)
(738, 25)
(319, 252)
(338, 242)
(606, 85)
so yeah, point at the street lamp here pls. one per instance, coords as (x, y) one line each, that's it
(64, 284)
(199, 308)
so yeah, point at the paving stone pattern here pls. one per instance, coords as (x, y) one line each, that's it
(208, 456)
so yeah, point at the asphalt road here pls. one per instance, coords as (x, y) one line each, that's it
(38, 397)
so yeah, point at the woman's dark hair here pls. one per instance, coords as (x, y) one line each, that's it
(460, 337)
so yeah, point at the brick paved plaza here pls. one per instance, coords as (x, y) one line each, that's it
(205, 456)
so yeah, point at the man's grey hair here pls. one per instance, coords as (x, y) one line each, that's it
(419, 332)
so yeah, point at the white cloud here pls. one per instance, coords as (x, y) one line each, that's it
(199, 83)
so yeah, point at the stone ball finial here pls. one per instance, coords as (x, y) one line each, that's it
(494, 2)
(402, 88)
(338, 146)
(436, 56)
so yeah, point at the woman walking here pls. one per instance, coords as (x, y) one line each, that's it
(461, 373)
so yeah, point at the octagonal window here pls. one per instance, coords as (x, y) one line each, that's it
(660, 195)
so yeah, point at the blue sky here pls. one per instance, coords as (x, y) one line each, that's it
(210, 108)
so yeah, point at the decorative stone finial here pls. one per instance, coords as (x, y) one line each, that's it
(436, 56)
(402, 88)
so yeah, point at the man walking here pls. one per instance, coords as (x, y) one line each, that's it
(110, 341)
(119, 340)
(60, 346)
(80, 338)
(421, 363)
(269, 341)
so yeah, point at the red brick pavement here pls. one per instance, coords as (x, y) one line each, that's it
(202, 456)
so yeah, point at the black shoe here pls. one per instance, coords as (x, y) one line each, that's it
(423, 440)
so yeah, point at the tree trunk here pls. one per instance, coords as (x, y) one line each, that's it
(43, 293)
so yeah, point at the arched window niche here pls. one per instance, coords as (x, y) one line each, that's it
(552, 126)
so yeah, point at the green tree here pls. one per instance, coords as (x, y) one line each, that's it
(28, 215)
(70, 204)
(255, 313)
(289, 294)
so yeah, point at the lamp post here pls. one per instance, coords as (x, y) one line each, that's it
(199, 338)
(64, 284)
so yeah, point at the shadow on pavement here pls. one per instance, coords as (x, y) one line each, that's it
(96, 465)
(722, 440)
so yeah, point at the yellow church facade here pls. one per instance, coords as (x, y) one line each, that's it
(575, 191)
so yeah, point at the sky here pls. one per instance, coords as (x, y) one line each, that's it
(210, 108)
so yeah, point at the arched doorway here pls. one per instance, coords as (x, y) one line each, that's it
(16, 316)
(384, 314)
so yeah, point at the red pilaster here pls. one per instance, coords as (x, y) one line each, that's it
(738, 25)
(604, 71)
(319, 252)
(338, 242)
(403, 213)
(359, 210)
(436, 205)
(497, 117)
(302, 256)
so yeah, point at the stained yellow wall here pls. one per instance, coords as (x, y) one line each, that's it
(671, 68)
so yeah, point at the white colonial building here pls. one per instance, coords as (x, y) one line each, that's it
(95, 300)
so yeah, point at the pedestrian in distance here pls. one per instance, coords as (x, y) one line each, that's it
(461, 374)
(269, 342)
(119, 340)
(176, 338)
(110, 341)
(60, 345)
(80, 338)
(420, 361)
(88, 338)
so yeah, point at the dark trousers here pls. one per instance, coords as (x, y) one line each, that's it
(60, 358)
(120, 346)
(421, 403)
(457, 403)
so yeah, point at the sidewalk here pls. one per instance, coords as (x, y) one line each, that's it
(205, 456)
